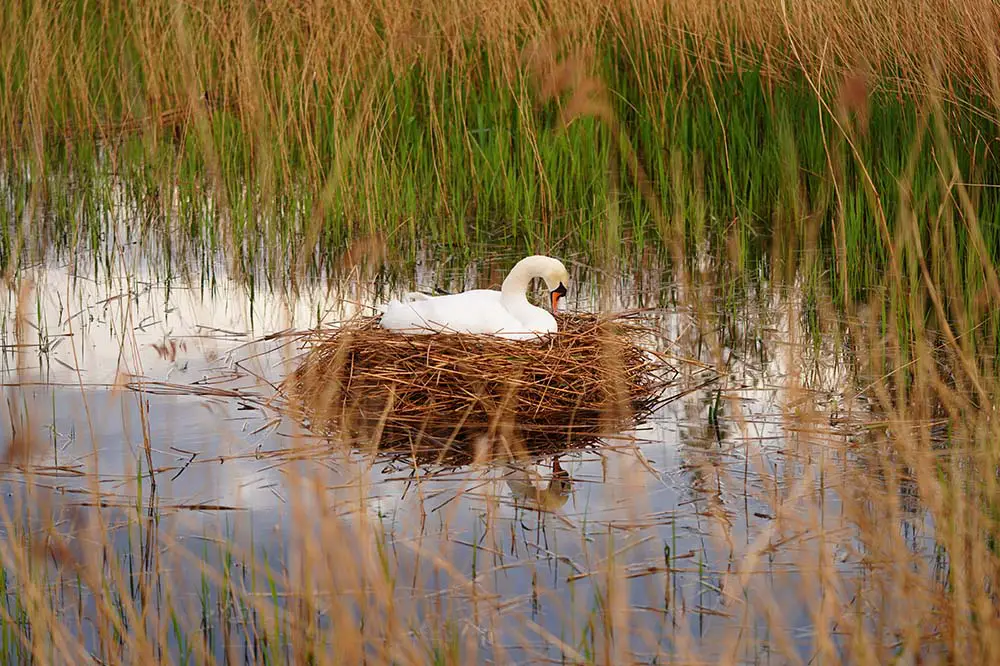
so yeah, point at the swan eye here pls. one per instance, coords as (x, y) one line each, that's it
(560, 290)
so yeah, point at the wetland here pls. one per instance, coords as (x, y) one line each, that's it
(797, 205)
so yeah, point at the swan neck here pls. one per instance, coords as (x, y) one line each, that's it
(515, 285)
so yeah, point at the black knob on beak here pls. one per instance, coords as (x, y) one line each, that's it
(556, 294)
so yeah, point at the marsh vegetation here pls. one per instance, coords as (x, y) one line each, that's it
(798, 200)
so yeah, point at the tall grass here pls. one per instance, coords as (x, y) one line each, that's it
(307, 126)
(842, 151)
(883, 539)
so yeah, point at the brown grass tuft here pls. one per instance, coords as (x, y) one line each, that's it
(590, 379)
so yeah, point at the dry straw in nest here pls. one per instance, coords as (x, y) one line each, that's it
(590, 379)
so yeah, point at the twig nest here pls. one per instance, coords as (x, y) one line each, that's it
(589, 379)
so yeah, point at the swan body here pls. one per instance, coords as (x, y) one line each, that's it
(505, 313)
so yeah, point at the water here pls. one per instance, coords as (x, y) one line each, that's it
(707, 531)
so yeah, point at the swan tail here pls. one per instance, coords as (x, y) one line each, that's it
(402, 317)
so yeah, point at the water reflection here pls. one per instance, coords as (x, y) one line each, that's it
(699, 515)
(530, 488)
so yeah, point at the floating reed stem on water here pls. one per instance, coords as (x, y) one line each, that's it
(591, 379)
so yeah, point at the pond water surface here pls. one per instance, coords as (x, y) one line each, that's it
(704, 532)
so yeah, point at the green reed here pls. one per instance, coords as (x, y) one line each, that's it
(452, 147)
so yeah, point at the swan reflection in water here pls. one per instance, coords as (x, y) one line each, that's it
(511, 460)
(528, 487)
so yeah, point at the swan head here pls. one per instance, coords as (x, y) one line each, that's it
(539, 266)
(556, 278)
(554, 273)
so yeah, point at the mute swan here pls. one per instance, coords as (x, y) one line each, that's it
(505, 313)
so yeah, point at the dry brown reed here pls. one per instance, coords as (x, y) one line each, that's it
(425, 393)
(277, 64)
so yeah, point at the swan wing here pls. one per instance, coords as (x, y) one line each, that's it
(477, 311)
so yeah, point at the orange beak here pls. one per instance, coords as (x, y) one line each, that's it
(556, 294)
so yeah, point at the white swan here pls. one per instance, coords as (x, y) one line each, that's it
(505, 313)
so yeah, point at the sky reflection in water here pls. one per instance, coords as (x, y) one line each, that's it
(700, 486)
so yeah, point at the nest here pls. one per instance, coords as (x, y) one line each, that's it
(442, 396)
